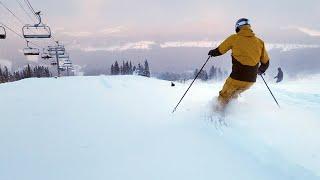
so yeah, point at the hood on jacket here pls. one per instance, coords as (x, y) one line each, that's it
(246, 31)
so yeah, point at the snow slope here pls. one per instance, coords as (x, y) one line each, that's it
(121, 128)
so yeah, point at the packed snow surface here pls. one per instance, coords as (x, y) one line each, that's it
(122, 128)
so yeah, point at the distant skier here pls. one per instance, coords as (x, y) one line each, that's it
(279, 77)
(249, 58)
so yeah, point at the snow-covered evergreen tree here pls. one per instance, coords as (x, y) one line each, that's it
(146, 69)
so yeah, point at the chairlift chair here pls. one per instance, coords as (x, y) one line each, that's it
(64, 56)
(3, 33)
(67, 65)
(59, 50)
(53, 62)
(39, 31)
(62, 68)
(30, 51)
(67, 62)
(45, 55)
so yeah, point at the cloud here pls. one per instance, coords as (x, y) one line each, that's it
(113, 30)
(78, 70)
(107, 31)
(210, 44)
(6, 62)
(33, 58)
(308, 31)
(141, 45)
(78, 34)
(147, 45)
(290, 47)
(190, 44)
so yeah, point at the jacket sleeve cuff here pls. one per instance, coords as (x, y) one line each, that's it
(216, 52)
(263, 67)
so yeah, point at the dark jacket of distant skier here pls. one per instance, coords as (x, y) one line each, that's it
(279, 77)
(249, 58)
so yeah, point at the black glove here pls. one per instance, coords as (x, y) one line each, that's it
(263, 68)
(211, 52)
(261, 71)
(214, 52)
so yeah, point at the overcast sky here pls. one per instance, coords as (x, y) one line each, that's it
(91, 27)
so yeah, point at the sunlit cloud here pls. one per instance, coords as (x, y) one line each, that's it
(212, 44)
(148, 45)
(78, 34)
(310, 32)
(113, 30)
(290, 47)
(307, 31)
(190, 44)
(141, 45)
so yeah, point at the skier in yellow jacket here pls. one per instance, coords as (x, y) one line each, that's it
(249, 58)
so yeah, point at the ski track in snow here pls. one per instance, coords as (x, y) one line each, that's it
(121, 127)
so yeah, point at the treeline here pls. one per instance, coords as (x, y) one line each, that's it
(214, 73)
(26, 72)
(127, 68)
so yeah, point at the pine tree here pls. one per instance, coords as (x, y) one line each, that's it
(6, 74)
(112, 69)
(195, 73)
(130, 68)
(146, 69)
(134, 69)
(220, 74)
(28, 72)
(204, 75)
(212, 73)
(116, 68)
(127, 68)
(1, 75)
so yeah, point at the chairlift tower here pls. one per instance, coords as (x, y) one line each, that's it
(57, 51)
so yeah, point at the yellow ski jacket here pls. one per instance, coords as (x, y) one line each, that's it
(248, 52)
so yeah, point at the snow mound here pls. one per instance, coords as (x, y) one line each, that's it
(121, 127)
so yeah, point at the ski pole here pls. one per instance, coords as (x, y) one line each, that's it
(174, 110)
(270, 90)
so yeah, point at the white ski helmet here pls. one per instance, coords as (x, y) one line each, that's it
(241, 22)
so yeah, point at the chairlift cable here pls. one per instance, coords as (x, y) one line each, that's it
(34, 12)
(10, 29)
(17, 19)
(24, 10)
(11, 12)
(30, 7)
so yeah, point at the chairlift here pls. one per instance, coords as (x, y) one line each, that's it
(68, 62)
(62, 68)
(64, 56)
(45, 55)
(67, 65)
(39, 31)
(53, 62)
(56, 50)
(30, 51)
(3, 33)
